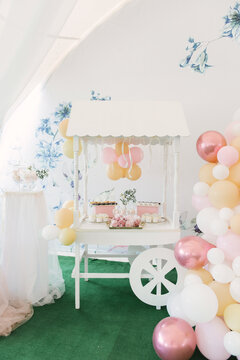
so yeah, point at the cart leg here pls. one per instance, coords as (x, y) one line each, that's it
(77, 277)
(86, 261)
(158, 287)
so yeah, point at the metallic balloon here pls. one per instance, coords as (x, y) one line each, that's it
(208, 145)
(191, 252)
(174, 339)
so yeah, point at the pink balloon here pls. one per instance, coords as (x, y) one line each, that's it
(230, 244)
(137, 154)
(228, 155)
(124, 161)
(230, 131)
(174, 339)
(191, 252)
(208, 145)
(109, 155)
(210, 339)
(200, 202)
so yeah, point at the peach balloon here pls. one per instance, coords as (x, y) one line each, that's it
(64, 218)
(234, 174)
(68, 148)
(206, 175)
(114, 171)
(203, 274)
(236, 143)
(68, 204)
(223, 193)
(62, 127)
(223, 295)
(235, 224)
(121, 148)
(232, 317)
(134, 173)
(67, 236)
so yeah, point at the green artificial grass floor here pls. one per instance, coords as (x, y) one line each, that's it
(112, 323)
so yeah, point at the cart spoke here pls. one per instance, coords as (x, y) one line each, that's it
(150, 269)
(150, 285)
(167, 267)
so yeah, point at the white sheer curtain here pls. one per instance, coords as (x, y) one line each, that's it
(28, 29)
(36, 35)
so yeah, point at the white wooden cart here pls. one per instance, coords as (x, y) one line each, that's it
(145, 122)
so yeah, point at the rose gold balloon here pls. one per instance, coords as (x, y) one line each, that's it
(174, 339)
(191, 252)
(208, 145)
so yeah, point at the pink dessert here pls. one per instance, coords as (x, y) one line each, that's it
(125, 221)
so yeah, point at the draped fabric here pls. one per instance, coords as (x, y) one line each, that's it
(36, 35)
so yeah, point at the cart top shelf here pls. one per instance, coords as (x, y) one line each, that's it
(138, 122)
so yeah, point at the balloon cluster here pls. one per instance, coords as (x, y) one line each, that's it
(68, 143)
(122, 161)
(210, 299)
(62, 230)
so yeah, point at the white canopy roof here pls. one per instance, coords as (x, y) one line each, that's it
(141, 122)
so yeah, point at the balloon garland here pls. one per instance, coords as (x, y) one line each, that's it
(210, 299)
(68, 143)
(122, 161)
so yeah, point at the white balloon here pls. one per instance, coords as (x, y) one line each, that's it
(205, 217)
(222, 273)
(199, 303)
(174, 308)
(215, 256)
(236, 265)
(236, 115)
(232, 343)
(237, 209)
(201, 188)
(220, 172)
(50, 232)
(192, 279)
(235, 289)
(219, 227)
(236, 129)
(226, 214)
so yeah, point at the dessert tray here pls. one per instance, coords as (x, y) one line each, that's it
(140, 227)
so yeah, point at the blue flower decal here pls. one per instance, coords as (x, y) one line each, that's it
(62, 112)
(197, 56)
(96, 96)
(232, 22)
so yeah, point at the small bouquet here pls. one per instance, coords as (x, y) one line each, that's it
(28, 175)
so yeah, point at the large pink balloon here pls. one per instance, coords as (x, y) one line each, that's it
(228, 155)
(210, 339)
(191, 252)
(208, 145)
(109, 155)
(124, 161)
(230, 244)
(200, 202)
(174, 339)
(136, 154)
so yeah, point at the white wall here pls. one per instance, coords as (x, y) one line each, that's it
(135, 55)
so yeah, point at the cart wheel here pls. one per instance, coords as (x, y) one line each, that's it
(158, 263)
(134, 251)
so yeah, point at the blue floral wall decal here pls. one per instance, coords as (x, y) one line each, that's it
(197, 56)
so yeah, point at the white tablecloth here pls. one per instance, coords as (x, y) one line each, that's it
(31, 271)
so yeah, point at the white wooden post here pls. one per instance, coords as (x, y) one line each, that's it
(165, 179)
(76, 221)
(85, 178)
(176, 154)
